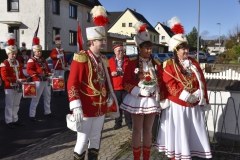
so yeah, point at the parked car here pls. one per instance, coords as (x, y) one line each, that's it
(214, 53)
(203, 56)
(192, 54)
(161, 56)
(170, 54)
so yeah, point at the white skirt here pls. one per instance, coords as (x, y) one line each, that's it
(182, 133)
(140, 105)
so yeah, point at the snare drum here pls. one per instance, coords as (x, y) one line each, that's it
(29, 90)
(58, 84)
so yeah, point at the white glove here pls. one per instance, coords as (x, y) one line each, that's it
(59, 55)
(109, 101)
(150, 88)
(144, 92)
(197, 93)
(192, 99)
(78, 114)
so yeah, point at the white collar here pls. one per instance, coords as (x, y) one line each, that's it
(144, 59)
(97, 55)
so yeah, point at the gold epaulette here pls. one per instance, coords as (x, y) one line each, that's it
(105, 60)
(80, 56)
(157, 61)
(132, 58)
(167, 62)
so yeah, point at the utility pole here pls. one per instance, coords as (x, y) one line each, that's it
(219, 37)
(198, 30)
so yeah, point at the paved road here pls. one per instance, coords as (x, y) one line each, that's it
(14, 140)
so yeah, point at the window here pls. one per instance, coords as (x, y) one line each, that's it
(154, 38)
(88, 17)
(72, 11)
(130, 24)
(56, 6)
(13, 5)
(55, 32)
(150, 37)
(123, 24)
(72, 37)
(163, 37)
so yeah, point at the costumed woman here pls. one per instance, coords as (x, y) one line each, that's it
(143, 82)
(23, 58)
(182, 133)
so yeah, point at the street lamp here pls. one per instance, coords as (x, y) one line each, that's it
(198, 30)
(219, 37)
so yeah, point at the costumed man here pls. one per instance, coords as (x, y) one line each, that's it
(23, 58)
(37, 68)
(117, 65)
(59, 60)
(12, 75)
(88, 86)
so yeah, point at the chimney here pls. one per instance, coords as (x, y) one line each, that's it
(134, 9)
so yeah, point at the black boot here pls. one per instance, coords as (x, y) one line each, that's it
(93, 154)
(76, 156)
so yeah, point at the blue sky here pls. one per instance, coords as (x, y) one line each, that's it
(225, 12)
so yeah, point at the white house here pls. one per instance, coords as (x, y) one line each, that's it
(56, 17)
(165, 33)
(123, 22)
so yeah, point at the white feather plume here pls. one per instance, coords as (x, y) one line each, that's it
(137, 26)
(57, 36)
(173, 21)
(10, 36)
(98, 11)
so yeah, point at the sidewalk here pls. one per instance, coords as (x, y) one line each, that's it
(60, 146)
(115, 145)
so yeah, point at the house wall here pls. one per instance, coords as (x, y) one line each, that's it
(28, 15)
(126, 18)
(162, 32)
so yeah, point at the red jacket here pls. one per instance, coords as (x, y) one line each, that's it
(57, 61)
(84, 87)
(175, 87)
(129, 81)
(36, 66)
(8, 74)
(21, 59)
(117, 80)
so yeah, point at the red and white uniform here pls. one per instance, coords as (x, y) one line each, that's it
(36, 66)
(59, 61)
(133, 102)
(87, 88)
(11, 70)
(182, 132)
(22, 59)
(117, 80)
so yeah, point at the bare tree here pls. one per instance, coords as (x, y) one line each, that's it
(234, 35)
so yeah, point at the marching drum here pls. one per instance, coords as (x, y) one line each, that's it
(58, 84)
(29, 89)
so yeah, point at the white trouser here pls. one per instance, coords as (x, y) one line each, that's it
(42, 89)
(91, 129)
(58, 73)
(12, 101)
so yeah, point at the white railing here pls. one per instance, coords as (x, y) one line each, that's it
(228, 75)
